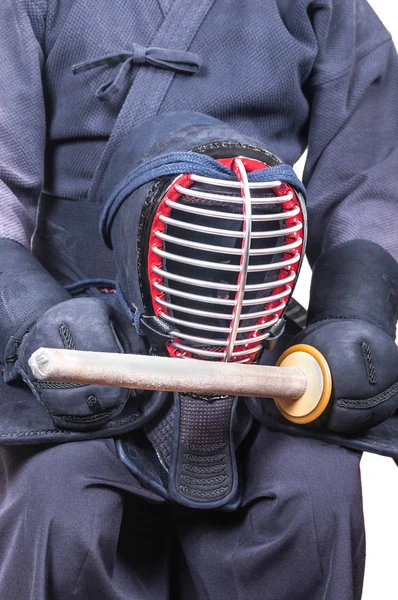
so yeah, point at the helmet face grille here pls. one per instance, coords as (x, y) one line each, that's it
(222, 260)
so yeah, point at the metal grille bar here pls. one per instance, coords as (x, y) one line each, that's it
(218, 315)
(232, 216)
(217, 342)
(244, 261)
(191, 192)
(254, 185)
(223, 286)
(220, 301)
(223, 267)
(215, 328)
(230, 232)
(224, 249)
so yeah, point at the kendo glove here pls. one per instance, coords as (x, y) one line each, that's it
(36, 311)
(352, 320)
(77, 324)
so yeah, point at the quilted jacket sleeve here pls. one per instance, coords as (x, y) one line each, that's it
(22, 116)
(352, 167)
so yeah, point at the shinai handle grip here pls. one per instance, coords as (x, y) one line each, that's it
(289, 384)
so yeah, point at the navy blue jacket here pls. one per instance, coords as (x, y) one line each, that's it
(322, 73)
(75, 79)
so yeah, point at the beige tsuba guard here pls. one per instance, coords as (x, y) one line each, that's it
(315, 399)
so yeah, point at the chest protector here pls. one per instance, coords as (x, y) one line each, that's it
(208, 232)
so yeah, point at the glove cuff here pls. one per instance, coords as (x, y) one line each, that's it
(27, 291)
(355, 280)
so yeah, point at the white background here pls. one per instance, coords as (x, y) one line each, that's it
(379, 475)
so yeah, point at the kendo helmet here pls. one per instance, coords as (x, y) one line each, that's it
(208, 230)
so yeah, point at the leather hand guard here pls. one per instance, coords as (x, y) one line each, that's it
(35, 311)
(77, 324)
(352, 318)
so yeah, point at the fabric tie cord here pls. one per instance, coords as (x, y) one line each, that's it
(178, 163)
(165, 58)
